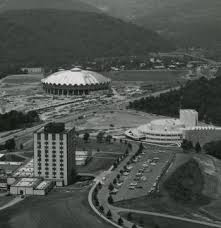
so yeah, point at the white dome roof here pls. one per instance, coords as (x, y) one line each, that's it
(75, 77)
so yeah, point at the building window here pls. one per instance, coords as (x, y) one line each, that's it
(39, 173)
(53, 137)
(46, 159)
(61, 169)
(54, 160)
(46, 136)
(61, 136)
(53, 143)
(39, 136)
(46, 173)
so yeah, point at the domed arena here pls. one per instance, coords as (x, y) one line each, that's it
(75, 82)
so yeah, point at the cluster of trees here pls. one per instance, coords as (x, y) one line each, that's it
(202, 95)
(14, 120)
(9, 145)
(186, 184)
(213, 148)
(188, 145)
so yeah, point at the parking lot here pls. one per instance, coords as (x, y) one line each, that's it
(141, 176)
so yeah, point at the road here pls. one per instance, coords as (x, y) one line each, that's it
(209, 224)
(71, 118)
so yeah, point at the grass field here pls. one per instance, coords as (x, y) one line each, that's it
(4, 200)
(159, 222)
(23, 79)
(105, 160)
(57, 210)
(146, 75)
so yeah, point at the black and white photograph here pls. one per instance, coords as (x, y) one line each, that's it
(110, 113)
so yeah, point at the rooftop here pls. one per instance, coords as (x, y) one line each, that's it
(75, 77)
(26, 182)
(54, 128)
(43, 185)
(27, 170)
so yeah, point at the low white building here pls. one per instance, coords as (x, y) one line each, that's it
(173, 131)
(31, 186)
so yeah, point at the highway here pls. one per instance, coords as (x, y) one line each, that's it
(71, 118)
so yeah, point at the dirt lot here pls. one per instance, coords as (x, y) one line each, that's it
(116, 120)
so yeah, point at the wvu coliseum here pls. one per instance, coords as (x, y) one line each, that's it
(75, 82)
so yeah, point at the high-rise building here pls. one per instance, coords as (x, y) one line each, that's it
(54, 153)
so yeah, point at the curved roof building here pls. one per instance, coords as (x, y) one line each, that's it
(165, 131)
(75, 82)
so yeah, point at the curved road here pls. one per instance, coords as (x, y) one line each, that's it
(118, 210)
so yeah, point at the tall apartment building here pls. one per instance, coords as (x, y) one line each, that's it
(54, 153)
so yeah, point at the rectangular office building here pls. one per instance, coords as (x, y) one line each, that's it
(54, 153)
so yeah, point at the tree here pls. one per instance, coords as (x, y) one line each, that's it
(129, 216)
(111, 187)
(100, 137)
(21, 146)
(198, 147)
(108, 138)
(114, 181)
(134, 226)
(10, 144)
(99, 185)
(141, 223)
(120, 221)
(109, 214)
(110, 200)
(130, 146)
(118, 176)
(186, 145)
(74, 174)
(101, 208)
(86, 136)
(141, 147)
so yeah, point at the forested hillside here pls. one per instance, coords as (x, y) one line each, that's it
(6, 5)
(203, 95)
(53, 37)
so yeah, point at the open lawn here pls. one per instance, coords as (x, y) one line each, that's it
(159, 222)
(5, 199)
(102, 159)
(23, 79)
(57, 210)
(148, 75)
(120, 120)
